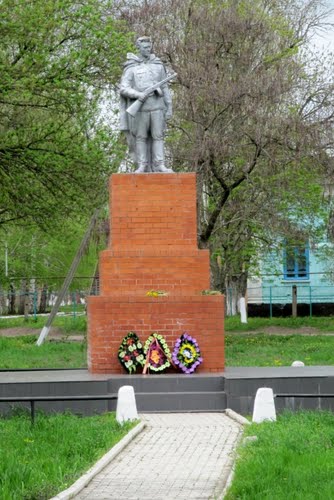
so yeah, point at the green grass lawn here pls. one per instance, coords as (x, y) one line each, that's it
(240, 350)
(22, 352)
(260, 349)
(251, 349)
(292, 459)
(68, 324)
(278, 350)
(38, 461)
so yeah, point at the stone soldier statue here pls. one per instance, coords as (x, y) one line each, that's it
(145, 126)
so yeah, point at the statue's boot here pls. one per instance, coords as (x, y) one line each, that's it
(162, 168)
(141, 157)
(143, 168)
(158, 157)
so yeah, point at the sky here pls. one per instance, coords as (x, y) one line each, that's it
(325, 39)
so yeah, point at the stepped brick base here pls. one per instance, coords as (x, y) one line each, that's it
(153, 245)
(110, 319)
(178, 274)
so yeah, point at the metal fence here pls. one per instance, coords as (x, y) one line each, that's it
(40, 302)
(308, 299)
(262, 300)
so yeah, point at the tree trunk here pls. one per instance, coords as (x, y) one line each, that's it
(31, 297)
(2, 301)
(11, 299)
(236, 287)
(22, 297)
(43, 299)
(27, 302)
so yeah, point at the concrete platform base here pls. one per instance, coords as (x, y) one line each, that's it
(235, 388)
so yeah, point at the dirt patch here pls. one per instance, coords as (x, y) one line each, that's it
(58, 334)
(280, 330)
(54, 334)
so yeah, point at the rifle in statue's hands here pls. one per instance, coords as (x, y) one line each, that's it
(135, 106)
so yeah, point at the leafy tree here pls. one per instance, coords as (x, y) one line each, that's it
(32, 253)
(38, 261)
(254, 112)
(57, 58)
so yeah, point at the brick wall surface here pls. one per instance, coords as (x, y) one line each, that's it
(153, 245)
(110, 319)
(149, 211)
(179, 274)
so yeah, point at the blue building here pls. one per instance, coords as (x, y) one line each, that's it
(304, 267)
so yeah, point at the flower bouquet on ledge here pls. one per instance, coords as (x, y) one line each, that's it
(158, 356)
(186, 354)
(131, 353)
(156, 293)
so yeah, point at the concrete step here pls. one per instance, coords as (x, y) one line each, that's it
(169, 383)
(57, 388)
(165, 392)
(181, 401)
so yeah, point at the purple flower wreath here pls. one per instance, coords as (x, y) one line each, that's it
(186, 354)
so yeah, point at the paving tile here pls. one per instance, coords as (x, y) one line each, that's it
(177, 456)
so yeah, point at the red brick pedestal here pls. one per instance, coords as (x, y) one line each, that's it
(153, 245)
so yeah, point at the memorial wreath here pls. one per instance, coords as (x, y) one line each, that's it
(158, 355)
(131, 353)
(186, 354)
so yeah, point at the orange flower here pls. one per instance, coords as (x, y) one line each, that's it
(155, 356)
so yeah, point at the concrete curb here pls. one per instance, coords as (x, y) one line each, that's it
(228, 481)
(242, 421)
(235, 416)
(82, 482)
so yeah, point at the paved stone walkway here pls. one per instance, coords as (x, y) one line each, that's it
(177, 456)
